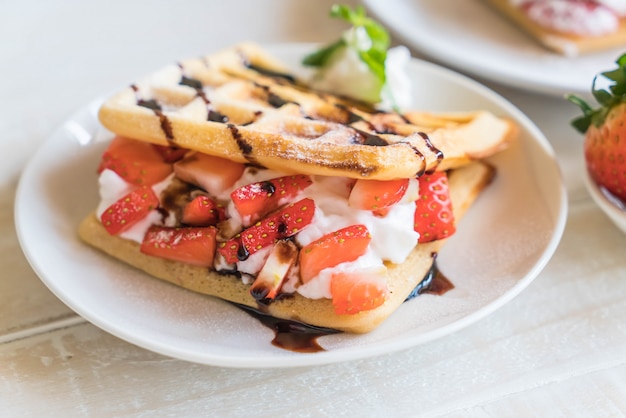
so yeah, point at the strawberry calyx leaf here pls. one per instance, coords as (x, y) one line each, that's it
(611, 92)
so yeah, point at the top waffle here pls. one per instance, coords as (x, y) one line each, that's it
(242, 105)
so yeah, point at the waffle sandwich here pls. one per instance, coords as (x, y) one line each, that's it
(231, 178)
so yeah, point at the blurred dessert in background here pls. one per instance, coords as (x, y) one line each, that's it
(569, 27)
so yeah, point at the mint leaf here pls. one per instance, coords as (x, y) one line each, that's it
(320, 57)
(378, 35)
(344, 12)
(375, 62)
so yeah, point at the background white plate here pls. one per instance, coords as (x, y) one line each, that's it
(500, 247)
(470, 37)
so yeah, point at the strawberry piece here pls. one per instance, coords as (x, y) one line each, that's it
(232, 250)
(338, 247)
(255, 200)
(271, 277)
(434, 219)
(410, 195)
(605, 130)
(213, 174)
(189, 245)
(170, 154)
(138, 163)
(375, 195)
(357, 291)
(283, 223)
(203, 211)
(131, 208)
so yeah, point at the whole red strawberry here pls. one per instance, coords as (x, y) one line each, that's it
(605, 130)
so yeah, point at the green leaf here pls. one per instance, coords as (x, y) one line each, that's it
(320, 57)
(603, 97)
(378, 35)
(582, 123)
(342, 11)
(609, 94)
(584, 106)
(616, 75)
(373, 61)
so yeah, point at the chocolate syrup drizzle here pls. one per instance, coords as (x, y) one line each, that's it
(267, 72)
(152, 104)
(432, 148)
(212, 115)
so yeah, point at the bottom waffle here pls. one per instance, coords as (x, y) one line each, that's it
(465, 184)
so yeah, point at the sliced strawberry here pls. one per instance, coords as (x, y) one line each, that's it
(189, 245)
(170, 154)
(357, 291)
(271, 277)
(232, 250)
(434, 219)
(410, 195)
(138, 163)
(131, 208)
(203, 211)
(377, 194)
(255, 200)
(213, 174)
(338, 247)
(283, 223)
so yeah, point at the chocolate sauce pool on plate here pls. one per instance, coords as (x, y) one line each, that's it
(302, 338)
(291, 335)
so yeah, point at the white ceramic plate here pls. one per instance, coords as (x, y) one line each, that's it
(500, 247)
(470, 37)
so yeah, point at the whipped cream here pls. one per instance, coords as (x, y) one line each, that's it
(393, 237)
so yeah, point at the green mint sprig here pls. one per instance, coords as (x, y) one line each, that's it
(373, 54)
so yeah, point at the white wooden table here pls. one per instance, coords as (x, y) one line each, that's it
(558, 349)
